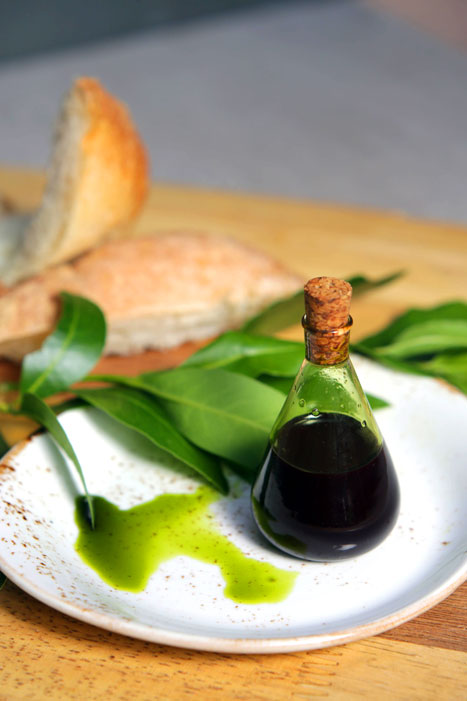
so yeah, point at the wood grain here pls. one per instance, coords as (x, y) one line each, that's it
(45, 654)
(444, 625)
(71, 660)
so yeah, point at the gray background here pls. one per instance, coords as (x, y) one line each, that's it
(332, 101)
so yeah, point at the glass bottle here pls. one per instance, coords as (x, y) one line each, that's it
(327, 489)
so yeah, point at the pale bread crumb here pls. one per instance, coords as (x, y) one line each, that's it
(156, 292)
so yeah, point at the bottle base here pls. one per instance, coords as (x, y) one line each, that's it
(327, 510)
(327, 545)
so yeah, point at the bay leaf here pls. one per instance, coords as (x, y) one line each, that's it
(224, 413)
(69, 352)
(34, 407)
(362, 284)
(282, 384)
(427, 337)
(4, 447)
(141, 412)
(289, 311)
(376, 402)
(277, 316)
(428, 341)
(449, 311)
(451, 367)
(250, 354)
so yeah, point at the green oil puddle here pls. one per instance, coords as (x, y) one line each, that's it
(127, 546)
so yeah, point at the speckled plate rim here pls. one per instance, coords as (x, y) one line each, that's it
(238, 645)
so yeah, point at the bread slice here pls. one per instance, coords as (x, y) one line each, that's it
(97, 182)
(156, 292)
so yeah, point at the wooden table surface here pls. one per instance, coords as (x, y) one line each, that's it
(45, 654)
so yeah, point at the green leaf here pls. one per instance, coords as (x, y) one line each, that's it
(224, 413)
(376, 402)
(141, 412)
(73, 403)
(39, 411)
(425, 342)
(7, 386)
(250, 354)
(278, 315)
(362, 284)
(246, 473)
(2, 580)
(69, 353)
(289, 311)
(452, 367)
(451, 311)
(282, 384)
(428, 337)
(126, 380)
(4, 447)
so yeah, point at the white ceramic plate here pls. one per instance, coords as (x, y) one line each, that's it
(418, 565)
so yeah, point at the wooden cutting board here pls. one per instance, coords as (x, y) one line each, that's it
(45, 654)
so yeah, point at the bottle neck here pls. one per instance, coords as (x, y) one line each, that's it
(327, 346)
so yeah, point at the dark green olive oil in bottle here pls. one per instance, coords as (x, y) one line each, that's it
(327, 489)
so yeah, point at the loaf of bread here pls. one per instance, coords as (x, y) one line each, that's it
(97, 182)
(156, 292)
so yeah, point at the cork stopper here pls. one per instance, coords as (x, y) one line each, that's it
(327, 321)
(327, 303)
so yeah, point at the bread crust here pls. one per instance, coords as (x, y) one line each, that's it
(97, 182)
(113, 182)
(156, 292)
